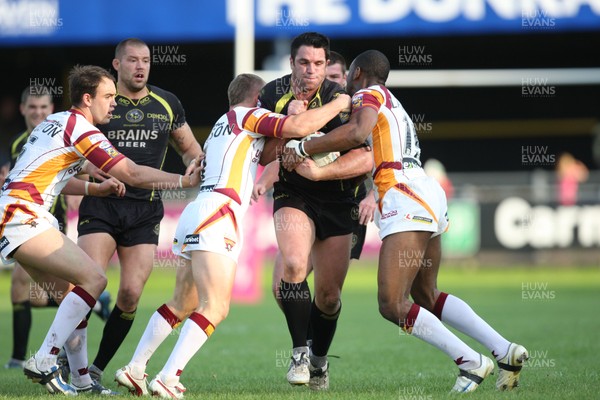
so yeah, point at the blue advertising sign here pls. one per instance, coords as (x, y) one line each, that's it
(42, 22)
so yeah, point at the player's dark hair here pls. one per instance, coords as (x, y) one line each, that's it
(242, 87)
(312, 39)
(120, 49)
(85, 79)
(337, 58)
(35, 91)
(373, 64)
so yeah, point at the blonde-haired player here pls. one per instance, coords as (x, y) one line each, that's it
(208, 237)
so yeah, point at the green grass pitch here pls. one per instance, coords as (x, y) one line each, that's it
(553, 312)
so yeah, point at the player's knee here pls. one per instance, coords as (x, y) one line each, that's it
(128, 298)
(182, 310)
(218, 313)
(328, 302)
(294, 268)
(19, 281)
(99, 280)
(388, 310)
(20, 289)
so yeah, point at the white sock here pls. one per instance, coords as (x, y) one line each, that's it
(460, 315)
(430, 329)
(76, 349)
(97, 307)
(70, 313)
(157, 330)
(194, 334)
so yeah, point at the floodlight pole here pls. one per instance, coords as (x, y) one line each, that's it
(244, 37)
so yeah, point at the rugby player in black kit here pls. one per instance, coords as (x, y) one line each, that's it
(145, 119)
(314, 219)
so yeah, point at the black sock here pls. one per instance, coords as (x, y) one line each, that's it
(309, 333)
(323, 329)
(116, 328)
(21, 328)
(309, 329)
(295, 300)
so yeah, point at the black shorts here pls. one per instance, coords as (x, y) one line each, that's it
(129, 222)
(358, 241)
(334, 214)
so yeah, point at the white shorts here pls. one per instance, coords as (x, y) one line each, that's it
(417, 204)
(209, 223)
(20, 221)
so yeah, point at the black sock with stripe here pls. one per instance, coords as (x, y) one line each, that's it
(116, 328)
(295, 301)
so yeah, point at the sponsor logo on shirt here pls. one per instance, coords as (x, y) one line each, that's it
(98, 137)
(134, 115)
(160, 117)
(109, 149)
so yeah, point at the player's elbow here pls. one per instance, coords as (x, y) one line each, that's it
(356, 137)
(128, 172)
(364, 160)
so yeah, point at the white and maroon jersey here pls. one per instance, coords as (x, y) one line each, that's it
(395, 144)
(55, 152)
(233, 150)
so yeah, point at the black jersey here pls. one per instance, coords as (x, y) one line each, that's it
(276, 96)
(141, 129)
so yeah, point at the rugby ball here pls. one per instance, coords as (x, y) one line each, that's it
(322, 159)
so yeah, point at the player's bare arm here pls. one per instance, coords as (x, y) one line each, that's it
(269, 176)
(107, 187)
(350, 135)
(302, 124)
(148, 178)
(354, 163)
(186, 144)
(271, 149)
(305, 123)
